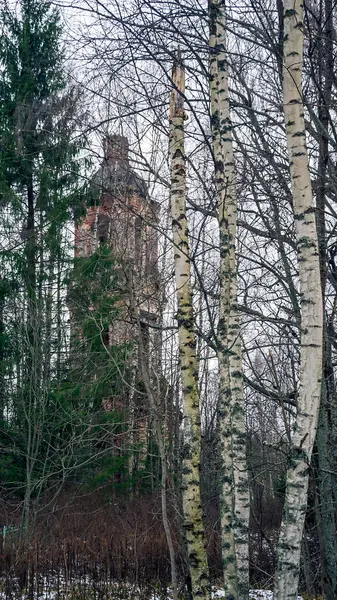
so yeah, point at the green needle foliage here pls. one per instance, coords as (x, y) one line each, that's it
(94, 392)
(65, 387)
(41, 192)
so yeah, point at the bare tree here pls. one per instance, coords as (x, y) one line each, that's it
(231, 402)
(193, 521)
(289, 544)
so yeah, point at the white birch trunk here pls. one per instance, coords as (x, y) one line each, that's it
(193, 522)
(232, 409)
(289, 545)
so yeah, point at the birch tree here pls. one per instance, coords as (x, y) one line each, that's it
(193, 522)
(231, 401)
(289, 545)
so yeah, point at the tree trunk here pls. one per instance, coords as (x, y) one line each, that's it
(326, 455)
(31, 382)
(193, 522)
(327, 422)
(234, 521)
(289, 545)
(157, 417)
(30, 251)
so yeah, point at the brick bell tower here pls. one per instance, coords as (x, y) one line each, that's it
(123, 216)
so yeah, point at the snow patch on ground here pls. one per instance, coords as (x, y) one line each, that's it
(253, 595)
(264, 595)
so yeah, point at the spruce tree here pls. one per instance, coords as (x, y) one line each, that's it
(40, 190)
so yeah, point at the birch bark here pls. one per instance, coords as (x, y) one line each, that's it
(289, 545)
(235, 489)
(193, 522)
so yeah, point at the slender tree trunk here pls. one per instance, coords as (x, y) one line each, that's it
(326, 455)
(47, 350)
(225, 425)
(327, 423)
(30, 366)
(232, 410)
(2, 355)
(193, 522)
(59, 323)
(154, 406)
(30, 251)
(289, 545)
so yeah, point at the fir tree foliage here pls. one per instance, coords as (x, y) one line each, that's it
(99, 376)
(66, 383)
(94, 297)
(37, 112)
(40, 191)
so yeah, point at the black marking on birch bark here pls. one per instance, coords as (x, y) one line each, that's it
(237, 374)
(186, 322)
(290, 12)
(212, 25)
(223, 255)
(310, 210)
(223, 64)
(219, 167)
(306, 242)
(215, 121)
(192, 344)
(230, 558)
(195, 483)
(178, 153)
(299, 216)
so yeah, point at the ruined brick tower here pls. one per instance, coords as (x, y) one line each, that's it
(123, 216)
(126, 218)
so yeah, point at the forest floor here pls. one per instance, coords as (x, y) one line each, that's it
(49, 592)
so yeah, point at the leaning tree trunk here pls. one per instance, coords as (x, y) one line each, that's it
(193, 522)
(289, 545)
(235, 489)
